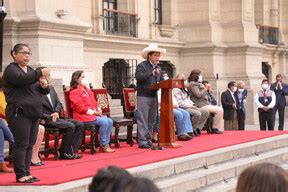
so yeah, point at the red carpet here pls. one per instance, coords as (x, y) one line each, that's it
(55, 172)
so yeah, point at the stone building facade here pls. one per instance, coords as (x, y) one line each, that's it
(225, 39)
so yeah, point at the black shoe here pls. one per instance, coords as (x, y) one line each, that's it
(67, 156)
(144, 146)
(184, 138)
(190, 134)
(34, 179)
(36, 164)
(198, 131)
(77, 156)
(216, 131)
(27, 180)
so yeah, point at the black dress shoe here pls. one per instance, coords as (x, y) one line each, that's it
(184, 138)
(34, 179)
(190, 134)
(144, 146)
(36, 164)
(216, 131)
(77, 156)
(198, 131)
(27, 180)
(67, 156)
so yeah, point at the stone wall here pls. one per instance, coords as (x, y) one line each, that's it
(219, 37)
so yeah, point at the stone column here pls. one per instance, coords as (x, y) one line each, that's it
(283, 17)
(56, 41)
(274, 13)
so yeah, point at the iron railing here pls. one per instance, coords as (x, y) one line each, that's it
(120, 23)
(117, 74)
(268, 34)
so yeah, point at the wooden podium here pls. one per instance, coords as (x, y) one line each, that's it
(167, 132)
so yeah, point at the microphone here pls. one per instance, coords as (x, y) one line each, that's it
(156, 67)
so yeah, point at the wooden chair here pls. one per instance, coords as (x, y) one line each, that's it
(56, 133)
(101, 96)
(52, 134)
(129, 106)
(92, 129)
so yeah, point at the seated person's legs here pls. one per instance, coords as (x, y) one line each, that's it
(78, 132)
(5, 133)
(218, 117)
(105, 130)
(35, 160)
(180, 125)
(187, 121)
(68, 130)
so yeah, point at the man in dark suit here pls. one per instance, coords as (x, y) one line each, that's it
(147, 73)
(280, 89)
(229, 106)
(240, 97)
(211, 98)
(72, 129)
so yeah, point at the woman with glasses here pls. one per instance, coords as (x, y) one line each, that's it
(24, 108)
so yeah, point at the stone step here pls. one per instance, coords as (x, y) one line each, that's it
(176, 166)
(115, 102)
(229, 185)
(196, 179)
(197, 171)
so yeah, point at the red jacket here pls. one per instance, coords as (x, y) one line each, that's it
(80, 103)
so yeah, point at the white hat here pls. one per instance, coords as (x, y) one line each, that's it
(153, 47)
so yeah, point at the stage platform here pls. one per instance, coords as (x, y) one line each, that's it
(198, 164)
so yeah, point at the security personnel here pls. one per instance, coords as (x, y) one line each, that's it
(265, 100)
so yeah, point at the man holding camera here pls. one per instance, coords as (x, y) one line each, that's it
(280, 89)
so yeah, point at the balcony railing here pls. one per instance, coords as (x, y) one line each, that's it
(120, 23)
(268, 34)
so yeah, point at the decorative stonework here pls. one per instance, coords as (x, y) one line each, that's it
(214, 10)
(166, 30)
(248, 10)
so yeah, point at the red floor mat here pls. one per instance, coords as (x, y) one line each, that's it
(55, 172)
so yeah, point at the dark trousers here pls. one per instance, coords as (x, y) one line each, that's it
(281, 112)
(25, 132)
(72, 133)
(241, 116)
(146, 119)
(266, 118)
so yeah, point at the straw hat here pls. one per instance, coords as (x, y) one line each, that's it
(153, 47)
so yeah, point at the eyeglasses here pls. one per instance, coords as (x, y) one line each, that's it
(25, 53)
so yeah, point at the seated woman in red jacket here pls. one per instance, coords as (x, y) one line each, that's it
(85, 109)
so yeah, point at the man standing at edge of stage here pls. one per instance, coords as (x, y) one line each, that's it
(147, 74)
(280, 89)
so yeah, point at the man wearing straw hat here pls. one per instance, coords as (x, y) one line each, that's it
(147, 74)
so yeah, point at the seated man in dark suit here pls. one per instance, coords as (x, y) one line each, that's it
(72, 129)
